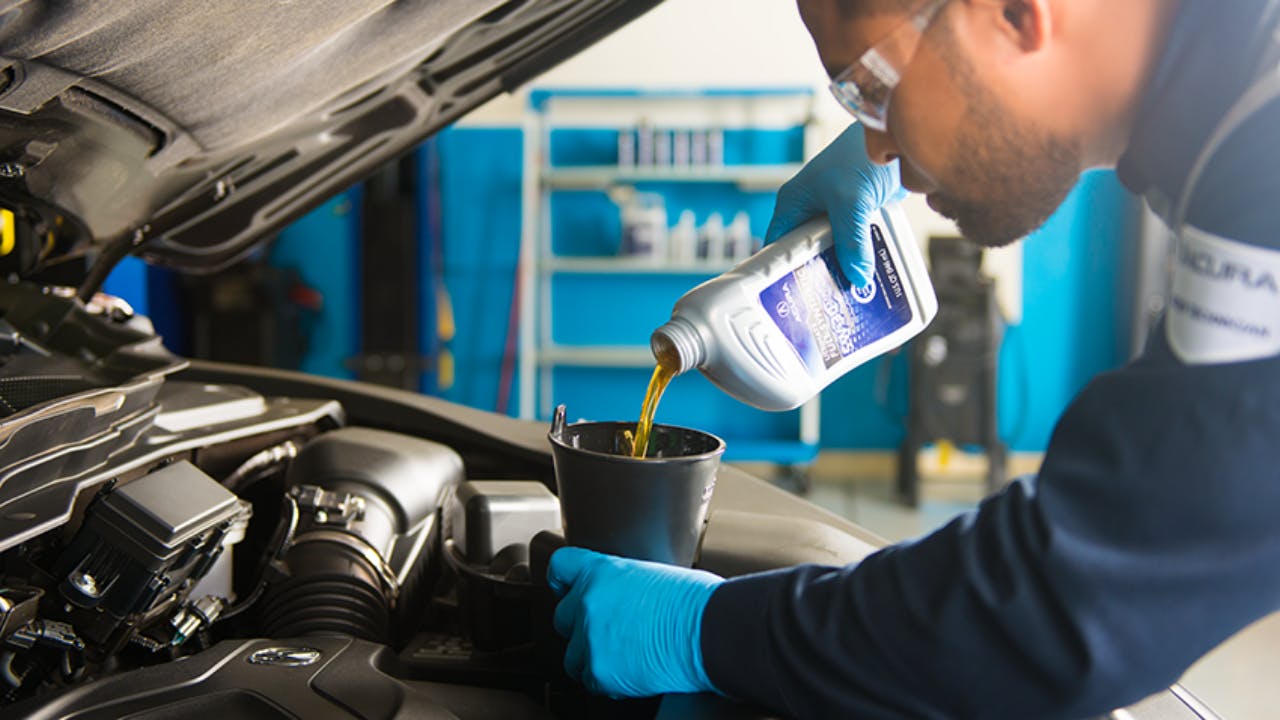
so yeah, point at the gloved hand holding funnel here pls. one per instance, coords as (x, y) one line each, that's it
(634, 627)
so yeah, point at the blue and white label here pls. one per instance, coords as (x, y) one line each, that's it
(1224, 300)
(825, 319)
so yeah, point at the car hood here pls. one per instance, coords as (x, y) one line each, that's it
(185, 131)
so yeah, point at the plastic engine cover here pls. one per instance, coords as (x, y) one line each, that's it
(319, 677)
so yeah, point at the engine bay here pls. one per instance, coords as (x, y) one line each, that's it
(271, 531)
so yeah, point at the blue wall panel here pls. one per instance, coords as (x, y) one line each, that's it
(128, 281)
(614, 309)
(584, 223)
(864, 410)
(324, 247)
(481, 176)
(1075, 308)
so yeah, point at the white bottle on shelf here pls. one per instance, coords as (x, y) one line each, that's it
(683, 240)
(737, 238)
(785, 323)
(644, 144)
(715, 147)
(711, 238)
(626, 148)
(644, 227)
(698, 148)
(662, 147)
(680, 150)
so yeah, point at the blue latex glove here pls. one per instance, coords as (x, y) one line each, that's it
(634, 627)
(844, 184)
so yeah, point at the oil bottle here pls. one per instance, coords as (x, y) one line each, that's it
(786, 322)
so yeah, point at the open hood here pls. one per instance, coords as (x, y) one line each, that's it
(185, 131)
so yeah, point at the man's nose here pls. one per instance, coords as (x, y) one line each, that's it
(880, 147)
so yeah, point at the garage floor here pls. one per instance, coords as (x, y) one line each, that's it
(1238, 680)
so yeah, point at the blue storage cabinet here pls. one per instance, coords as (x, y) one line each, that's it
(585, 312)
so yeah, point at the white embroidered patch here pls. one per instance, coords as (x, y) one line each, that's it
(1224, 300)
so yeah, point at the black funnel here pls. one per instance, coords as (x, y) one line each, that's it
(649, 508)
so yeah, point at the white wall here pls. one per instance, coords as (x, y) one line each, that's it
(693, 44)
(723, 43)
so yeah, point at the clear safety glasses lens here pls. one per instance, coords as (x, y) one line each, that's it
(864, 89)
(865, 86)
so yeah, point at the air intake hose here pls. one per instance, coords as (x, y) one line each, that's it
(361, 500)
(333, 591)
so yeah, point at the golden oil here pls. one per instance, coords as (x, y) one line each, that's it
(662, 375)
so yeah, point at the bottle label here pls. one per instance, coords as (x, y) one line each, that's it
(825, 319)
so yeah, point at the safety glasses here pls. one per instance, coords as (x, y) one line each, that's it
(864, 87)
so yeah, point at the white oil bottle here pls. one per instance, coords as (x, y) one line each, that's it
(785, 323)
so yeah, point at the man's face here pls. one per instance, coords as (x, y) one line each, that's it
(987, 163)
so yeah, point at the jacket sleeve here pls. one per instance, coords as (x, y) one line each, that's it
(1149, 537)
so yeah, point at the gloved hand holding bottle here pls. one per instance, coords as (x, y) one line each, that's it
(843, 183)
(634, 627)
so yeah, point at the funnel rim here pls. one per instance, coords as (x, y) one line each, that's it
(556, 439)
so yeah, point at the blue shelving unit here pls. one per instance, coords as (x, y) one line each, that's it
(585, 312)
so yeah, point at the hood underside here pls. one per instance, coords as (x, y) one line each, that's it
(187, 130)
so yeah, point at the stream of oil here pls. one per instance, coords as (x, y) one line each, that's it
(662, 375)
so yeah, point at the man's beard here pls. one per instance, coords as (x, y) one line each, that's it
(1008, 176)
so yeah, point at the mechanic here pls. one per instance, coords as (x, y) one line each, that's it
(1151, 533)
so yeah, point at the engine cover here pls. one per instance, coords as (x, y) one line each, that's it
(319, 677)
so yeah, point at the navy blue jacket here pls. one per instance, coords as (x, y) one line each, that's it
(1151, 534)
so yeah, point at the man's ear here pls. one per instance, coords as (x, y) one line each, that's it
(1026, 23)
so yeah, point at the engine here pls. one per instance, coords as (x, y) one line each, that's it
(326, 536)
